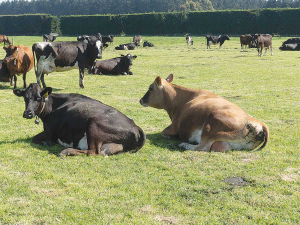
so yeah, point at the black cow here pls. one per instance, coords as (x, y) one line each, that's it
(119, 65)
(216, 39)
(148, 44)
(4, 72)
(292, 44)
(81, 124)
(90, 39)
(49, 37)
(61, 56)
(109, 38)
(129, 46)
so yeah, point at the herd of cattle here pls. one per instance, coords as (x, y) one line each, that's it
(201, 119)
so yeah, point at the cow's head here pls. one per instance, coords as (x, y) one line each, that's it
(154, 97)
(33, 97)
(99, 46)
(11, 53)
(128, 59)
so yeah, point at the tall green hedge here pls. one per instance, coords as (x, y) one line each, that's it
(29, 24)
(232, 22)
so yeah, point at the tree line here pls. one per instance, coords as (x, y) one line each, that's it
(90, 7)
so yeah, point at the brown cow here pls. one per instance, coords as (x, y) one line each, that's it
(263, 41)
(246, 40)
(137, 39)
(4, 39)
(204, 120)
(4, 72)
(19, 59)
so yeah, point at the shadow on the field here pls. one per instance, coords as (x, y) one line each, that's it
(170, 143)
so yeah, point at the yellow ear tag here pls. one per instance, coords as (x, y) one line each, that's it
(46, 95)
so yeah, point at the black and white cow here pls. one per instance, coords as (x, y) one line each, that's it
(292, 44)
(49, 37)
(216, 39)
(90, 39)
(62, 56)
(129, 46)
(81, 124)
(120, 65)
(189, 40)
(148, 44)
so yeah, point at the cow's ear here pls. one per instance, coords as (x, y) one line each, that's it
(134, 57)
(158, 81)
(46, 92)
(19, 92)
(170, 78)
(4, 48)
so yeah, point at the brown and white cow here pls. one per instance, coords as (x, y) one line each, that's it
(4, 39)
(203, 120)
(137, 38)
(19, 60)
(246, 40)
(263, 41)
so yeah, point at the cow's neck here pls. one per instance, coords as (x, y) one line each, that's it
(176, 97)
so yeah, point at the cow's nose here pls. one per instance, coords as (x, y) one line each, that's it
(27, 114)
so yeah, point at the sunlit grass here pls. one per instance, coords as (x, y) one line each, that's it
(160, 183)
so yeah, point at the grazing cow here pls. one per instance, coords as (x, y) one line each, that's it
(4, 39)
(4, 72)
(246, 40)
(19, 60)
(82, 124)
(129, 46)
(109, 38)
(90, 39)
(49, 37)
(137, 38)
(148, 44)
(203, 120)
(117, 66)
(292, 44)
(216, 39)
(65, 55)
(189, 40)
(263, 41)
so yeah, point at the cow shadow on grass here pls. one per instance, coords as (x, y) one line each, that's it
(55, 149)
(8, 87)
(169, 143)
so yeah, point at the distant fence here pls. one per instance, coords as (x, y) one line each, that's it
(232, 22)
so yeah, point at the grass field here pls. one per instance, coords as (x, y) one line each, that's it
(161, 183)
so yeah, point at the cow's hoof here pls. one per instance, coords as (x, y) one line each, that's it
(130, 73)
(67, 152)
(81, 86)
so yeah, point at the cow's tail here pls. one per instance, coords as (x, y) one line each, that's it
(141, 140)
(33, 51)
(266, 135)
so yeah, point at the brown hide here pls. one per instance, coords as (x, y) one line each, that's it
(19, 60)
(264, 41)
(246, 40)
(137, 39)
(4, 39)
(208, 121)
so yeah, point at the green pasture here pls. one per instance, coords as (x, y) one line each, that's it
(160, 184)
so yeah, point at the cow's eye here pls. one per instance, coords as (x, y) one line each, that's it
(150, 89)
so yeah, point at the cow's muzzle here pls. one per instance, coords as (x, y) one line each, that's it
(28, 114)
(142, 103)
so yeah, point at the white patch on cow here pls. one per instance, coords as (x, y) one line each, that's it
(42, 45)
(210, 42)
(125, 47)
(98, 45)
(68, 145)
(196, 136)
(82, 144)
(45, 65)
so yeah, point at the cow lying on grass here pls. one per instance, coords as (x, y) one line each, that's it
(203, 120)
(82, 124)
(118, 66)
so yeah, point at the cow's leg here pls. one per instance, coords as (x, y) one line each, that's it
(24, 80)
(265, 52)
(271, 50)
(111, 149)
(11, 79)
(44, 138)
(15, 80)
(81, 76)
(169, 132)
(43, 80)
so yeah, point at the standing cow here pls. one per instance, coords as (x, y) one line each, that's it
(263, 41)
(137, 38)
(119, 65)
(79, 123)
(203, 120)
(19, 60)
(213, 40)
(246, 40)
(189, 40)
(62, 56)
